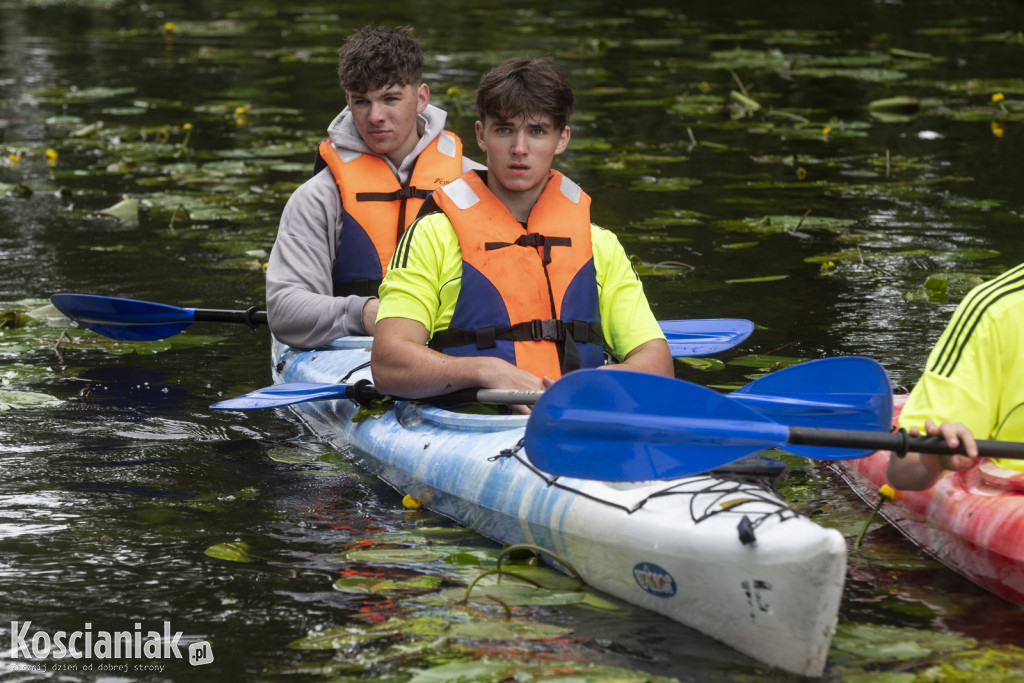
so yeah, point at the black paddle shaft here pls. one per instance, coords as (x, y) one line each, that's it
(253, 317)
(363, 393)
(898, 442)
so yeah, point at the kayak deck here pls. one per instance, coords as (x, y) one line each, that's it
(966, 522)
(726, 557)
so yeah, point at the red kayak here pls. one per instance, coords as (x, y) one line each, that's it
(972, 521)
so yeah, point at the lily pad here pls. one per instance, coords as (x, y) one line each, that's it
(766, 362)
(872, 642)
(10, 400)
(787, 223)
(232, 552)
(763, 278)
(507, 630)
(654, 184)
(393, 555)
(513, 594)
(704, 364)
(364, 585)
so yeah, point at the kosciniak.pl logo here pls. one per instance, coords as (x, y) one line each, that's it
(87, 643)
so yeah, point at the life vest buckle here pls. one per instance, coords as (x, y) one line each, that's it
(547, 330)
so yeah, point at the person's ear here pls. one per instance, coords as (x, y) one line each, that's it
(563, 140)
(422, 97)
(480, 142)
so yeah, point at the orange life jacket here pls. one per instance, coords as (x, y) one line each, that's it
(378, 209)
(528, 295)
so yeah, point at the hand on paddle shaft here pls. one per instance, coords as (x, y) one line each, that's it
(624, 426)
(132, 320)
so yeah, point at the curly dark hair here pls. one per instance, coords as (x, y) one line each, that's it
(378, 57)
(525, 86)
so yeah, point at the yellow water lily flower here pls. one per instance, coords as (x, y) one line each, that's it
(51, 156)
(411, 503)
(453, 92)
(998, 97)
(169, 27)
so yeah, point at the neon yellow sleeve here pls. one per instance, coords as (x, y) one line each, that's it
(626, 317)
(425, 274)
(971, 393)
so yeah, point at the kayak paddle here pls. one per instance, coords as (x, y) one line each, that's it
(846, 392)
(132, 320)
(361, 392)
(632, 426)
(805, 395)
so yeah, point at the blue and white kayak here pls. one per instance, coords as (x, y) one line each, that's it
(721, 555)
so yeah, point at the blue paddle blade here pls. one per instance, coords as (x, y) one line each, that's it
(850, 392)
(617, 425)
(285, 394)
(124, 319)
(704, 337)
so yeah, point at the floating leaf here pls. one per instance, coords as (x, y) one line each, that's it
(513, 594)
(10, 400)
(653, 184)
(126, 211)
(232, 552)
(871, 642)
(370, 585)
(290, 456)
(507, 630)
(764, 278)
(704, 364)
(787, 223)
(900, 105)
(341, 637)
(393, 555)
(462, 559)
(764, 362)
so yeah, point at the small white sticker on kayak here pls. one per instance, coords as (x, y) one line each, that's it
(654, 580)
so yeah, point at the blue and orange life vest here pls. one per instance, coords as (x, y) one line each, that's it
(378, 209)
(528, 295)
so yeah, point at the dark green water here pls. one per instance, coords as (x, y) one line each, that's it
(109, 497)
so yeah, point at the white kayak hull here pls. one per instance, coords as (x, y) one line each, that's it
(673, 547)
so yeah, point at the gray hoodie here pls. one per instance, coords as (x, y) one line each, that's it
(301, 306)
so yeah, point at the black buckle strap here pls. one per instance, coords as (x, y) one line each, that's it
(533, 239)
(486, 337)
(547, 330)
(403, 193)
(363, 286)
(535, 330)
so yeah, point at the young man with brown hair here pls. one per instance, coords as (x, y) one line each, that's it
(386, 151)
(503, 273)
